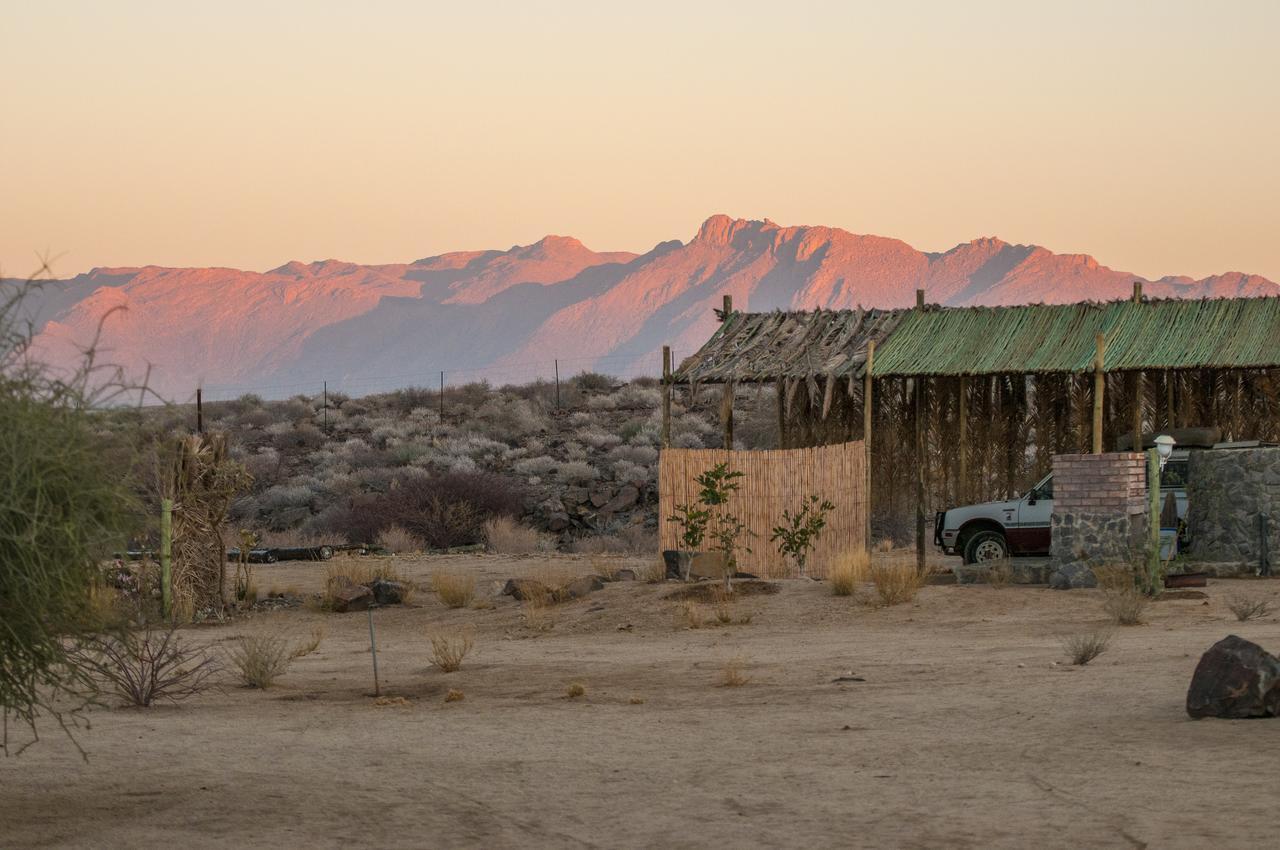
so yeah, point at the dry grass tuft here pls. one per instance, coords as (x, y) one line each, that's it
(636, 701)
(399, 540)
(454, 695)
(261, 659)
(721, 600)
(575, 690)
(455, 589)
(689, 615)
(895, 583)
(999, 573)
(306, 647)
(848, 571)
(448, 648)
(732, 676)
(505, 536)
(885, 545)
(655, 572)
(1247, 607)
(1084, 648)
(1121, 598)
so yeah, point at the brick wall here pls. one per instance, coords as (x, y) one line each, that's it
(1113, 483)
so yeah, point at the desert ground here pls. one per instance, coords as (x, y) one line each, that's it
(962, 723)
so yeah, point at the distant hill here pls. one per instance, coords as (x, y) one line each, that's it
(506, 315)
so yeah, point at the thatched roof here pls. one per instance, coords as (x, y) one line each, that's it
(1224, 333)
(754, 347)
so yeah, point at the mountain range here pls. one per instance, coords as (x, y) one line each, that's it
(509, 315)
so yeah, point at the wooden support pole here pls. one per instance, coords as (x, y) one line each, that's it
(728, 306)
(782, 413)
(726, 415)
(1169, 376)
(1099, 384)
(921, 463)
(166, 557)
(1137, 292)
(867, 398)
(1136, 391)
(199, 411)
(666, 396)
(1154, 582)
(919, 299)
(962, 446)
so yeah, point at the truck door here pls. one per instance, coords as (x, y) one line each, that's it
(1031, 535)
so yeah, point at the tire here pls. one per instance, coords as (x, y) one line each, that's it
(986, 546)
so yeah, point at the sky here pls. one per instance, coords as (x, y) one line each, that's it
(247, 134)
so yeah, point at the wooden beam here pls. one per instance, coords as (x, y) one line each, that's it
(728, 305)
(921, 463)
(1169, 375)
(866, 442)
(1136, 392)
(1099, 384)
(919, 299)
(782, 413)
(726, 415)
(666, 396)
(962, 447)
(1137, 292)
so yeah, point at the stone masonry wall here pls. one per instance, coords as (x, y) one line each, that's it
(1227, 491)
(1099, 514)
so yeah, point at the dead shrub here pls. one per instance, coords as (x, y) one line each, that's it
(575, 690)
(999, 573)
(655, 572)
(1247, 607)
(732, 676)
(147, 665)
(689, 615)
(397, 539)
(448, 648)
(505, 536)
(455, 589)
(306, 647)
(894, 584)
(1123, 601)
(261, 659)
(454, 695)
(1084, 648)
(847, 572)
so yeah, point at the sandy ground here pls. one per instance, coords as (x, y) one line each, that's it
(970, 730)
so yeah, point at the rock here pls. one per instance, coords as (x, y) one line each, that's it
(523, 588)
(353, 597)
(387, 592)
(580, 587)
(708, 565)
(677, 561)
(1235, 678)
(601, 496)
(624, 575)
(575, 495)
(626, 498)
(558, 522)
(1074, 575)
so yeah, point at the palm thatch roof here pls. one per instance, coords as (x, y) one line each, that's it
(757, 347)
(1220, 333)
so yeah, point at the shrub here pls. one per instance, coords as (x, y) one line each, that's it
(1084, 648)
(505, 536)
(454, 695)
(577, 472)
(535, 466)
(999, 573)
(448, 648)
(1123, 601)
(261, 659)
(895, 583)
(575, 690)
(799, 532)
(444, 510)
(1247, 607)
(456, 590)
(732, 676)
(144, 666)
(848, 571)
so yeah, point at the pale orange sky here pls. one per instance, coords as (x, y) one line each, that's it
(247, 134)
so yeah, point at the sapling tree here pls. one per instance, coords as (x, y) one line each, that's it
(719, 483)
(800, 530)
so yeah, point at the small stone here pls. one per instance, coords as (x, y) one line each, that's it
(624, 575)
(354, 597)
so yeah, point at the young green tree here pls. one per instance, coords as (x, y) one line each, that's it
(800, 530)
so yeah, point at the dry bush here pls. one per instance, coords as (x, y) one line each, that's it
(448, 648)
(147, 665)
(454, 695)
(347, 572)
(607, 570)
(732, 676)
(505, 536)
(575, 690)
(455, 589)
(636, 701)
(1086, 647)
(398, 540)
(539, 602)
(1247, 607)
(1123, 601)
(848, 571)
(885, 544)
(999, 573)
(895, 583)
(261, 659)
(655, 572)
(306, 647)
(689, 615)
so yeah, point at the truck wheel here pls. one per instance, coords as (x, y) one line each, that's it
(986, 546)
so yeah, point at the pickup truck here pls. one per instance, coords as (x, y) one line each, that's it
(994, 531)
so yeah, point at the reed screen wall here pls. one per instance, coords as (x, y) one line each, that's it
(774, 481)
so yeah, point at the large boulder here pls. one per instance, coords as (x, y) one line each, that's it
(387, 592)
(1235, 678)
(352, 597)
(626, 498)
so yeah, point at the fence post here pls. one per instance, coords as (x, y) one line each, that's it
(867, 398)
(442, 397)
(666, 396)
(326, 408)
(199, 411)
(166, 557)
(557, 384)
(921, 462)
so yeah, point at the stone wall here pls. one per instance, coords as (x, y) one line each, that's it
(1099, 514)
(1227, 491)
